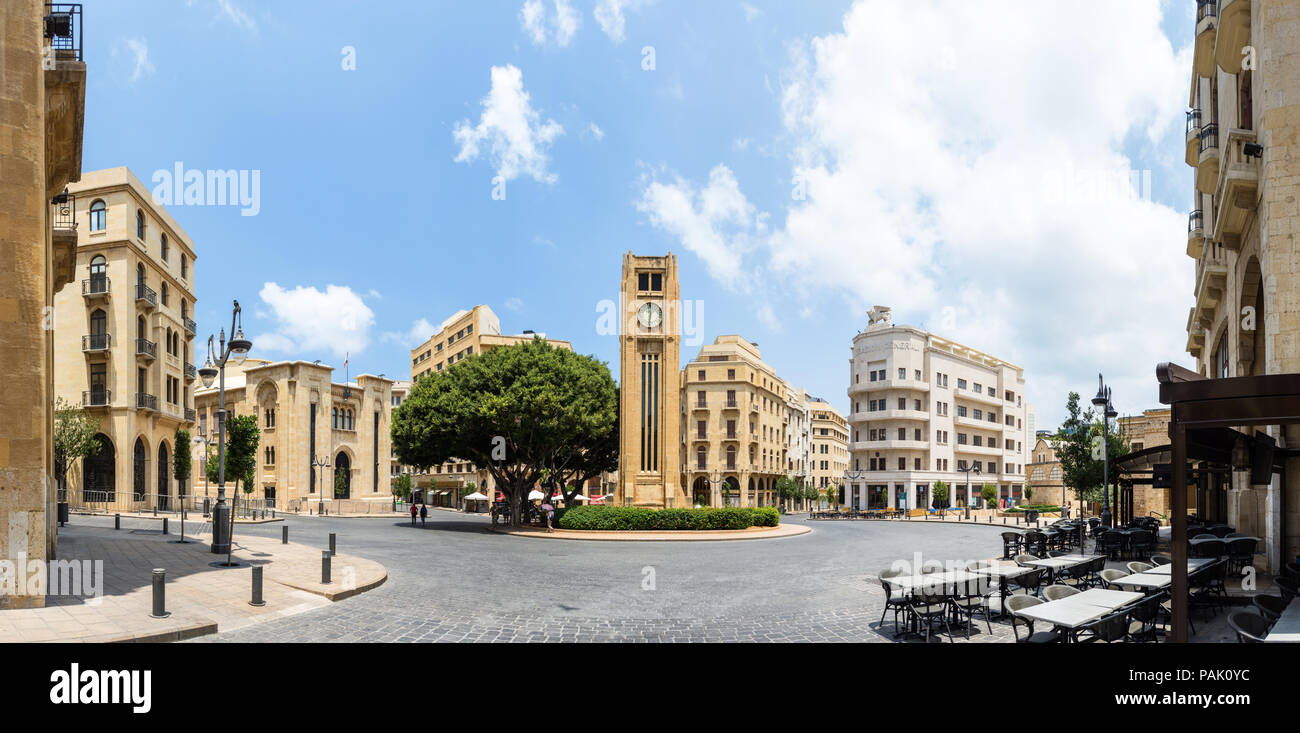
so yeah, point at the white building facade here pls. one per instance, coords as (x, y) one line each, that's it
(925, 409)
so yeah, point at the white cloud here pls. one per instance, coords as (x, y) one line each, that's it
(716, 222)
(311, 321)
(139, 51)
(594, 132)
(610, 16)
(559, 27)
(236, 15)
(515, 304)
(937, 187)
(751, 12)
(418, 333)
(510, 129)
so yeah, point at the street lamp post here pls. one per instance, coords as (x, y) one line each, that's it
(1102, 401)
(237, 348)
(857, 476)
(716, 479)
(202, 439)
(322, 464)
(972, 466)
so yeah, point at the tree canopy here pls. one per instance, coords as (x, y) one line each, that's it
(1081, 472)
(74, 437)
(523, 412)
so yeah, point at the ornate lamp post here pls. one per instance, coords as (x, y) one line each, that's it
(857, 476)
(1102, 402)
(716, 479)
(324, 463)
(972, 466)
(237, 349)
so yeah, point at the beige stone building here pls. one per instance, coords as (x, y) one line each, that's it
(1242, 125)
(923, 408)
(462, 335)
(828, 447)
(307, 419)
(798, 434)
(734, 426)
(1043, 473)
(42, 113)
(1145, 431)
(123, 343)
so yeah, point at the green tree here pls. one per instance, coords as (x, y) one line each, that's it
(516, 410)
(74, 438)
(811, 494)
(340, 483)
(402, 486)
(572, 466)
(940, 490)
(242, 437)
(1080, 430)
(788, 489)
(182, 463)
(989, 492)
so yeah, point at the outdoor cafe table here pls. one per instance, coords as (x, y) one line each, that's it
(1080, 609)
(1287, 628)
(1060, 563)
(942, 582)
(1003, 572)
(1224, 540)
(1193, 563)
(1148, 579)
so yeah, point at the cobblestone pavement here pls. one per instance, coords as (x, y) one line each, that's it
(452, 580)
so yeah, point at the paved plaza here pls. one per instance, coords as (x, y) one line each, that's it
(454, 580)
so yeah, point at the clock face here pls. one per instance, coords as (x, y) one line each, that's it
(650, 315)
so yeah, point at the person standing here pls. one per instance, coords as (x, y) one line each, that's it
(424, 514)
(550, 514)
(413, 515)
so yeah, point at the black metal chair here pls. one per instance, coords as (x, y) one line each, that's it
(1210, 548)
(1241, 552)
(897, 605)
(1108, 628)
(1290, 588)
(929, 608)
(1250, 627)
(1142, 543)
(1030, 583)
(1035, 543)
(1110, 544)
(1270, 607)
(1143, 619)
(1012, 543)
(968, 600)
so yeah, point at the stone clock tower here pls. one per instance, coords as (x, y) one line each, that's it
(649, 462)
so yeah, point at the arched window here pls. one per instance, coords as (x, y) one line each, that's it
(98, 216)
(139, 224)
(334, 417)
(139, 274)
(164, 294)
(98, 323)
(163, 238)
(98, 267)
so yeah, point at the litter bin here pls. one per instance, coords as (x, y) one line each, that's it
(63, 513)
(1031, 515)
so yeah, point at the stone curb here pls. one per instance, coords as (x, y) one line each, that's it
(766, 533)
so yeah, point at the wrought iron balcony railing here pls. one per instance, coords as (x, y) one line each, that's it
(63, 30)
(1193, 120)
(146, 401)
(191, 372)
(97, 342)
(1209, 137)
(145, 347)
(63, 211)
(1206, 9)
(98, 285)
(189, 414)
(1195, 220)
(147, 294)
(96, 398)
(190, 326)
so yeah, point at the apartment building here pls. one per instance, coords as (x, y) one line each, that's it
(462, 335)
(401, 388)
(124, 342)
(1043, 473)
(307, 420)
(42, 114)
(798, 434)
(1245, 313)
(926, 409)
(828, 446)
(734, 425)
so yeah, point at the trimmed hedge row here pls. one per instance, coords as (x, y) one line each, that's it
(1034, 507)
(640, 518)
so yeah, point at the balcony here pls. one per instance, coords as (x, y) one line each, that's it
(883, 384)
(984, 450)
(190, 415)
(1207, 163)
(190, 326)
(1193, 151)
(1233, 34)
(63, 235)
(96, 398)
(145, 401)
(1195, 334)
(1236, 189)
(191, 373)
(1207, 24)
(1211, 283)
(146, 348)
(731, 405)
(697, 406)
(96, 288)
(731, 437)
(973, 396)
(914, 415)
(1195, 233)
(97, 343)
(65, 94)
(880, 445)
(146, 295)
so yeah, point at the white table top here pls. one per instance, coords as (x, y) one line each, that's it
(1004, 571)
(1063, 561)
(937, 582)
(1074, 611)
(1287, 628)
(1225, 540)
(1145, 580)
(1193, 563)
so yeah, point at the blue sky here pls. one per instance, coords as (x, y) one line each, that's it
(949, 172)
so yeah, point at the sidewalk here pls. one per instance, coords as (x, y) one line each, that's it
(201, 599)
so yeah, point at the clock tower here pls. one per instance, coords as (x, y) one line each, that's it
(649, 462)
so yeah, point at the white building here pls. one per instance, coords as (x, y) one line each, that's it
(925, 409)
(797, 439)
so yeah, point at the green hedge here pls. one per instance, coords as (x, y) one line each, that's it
(640, 518)
(1035, 507)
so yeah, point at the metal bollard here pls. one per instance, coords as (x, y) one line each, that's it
(272, 514)
(284, 535)
(159, 593)
(325, 566)
(164, 525)
(117, 521)
(257, 587)
(155, 511)
(332, 545)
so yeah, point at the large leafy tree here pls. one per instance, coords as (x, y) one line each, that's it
(402, 486)
(570, 467)
(788, 489)
(1074, 443)
(182, 462)
(523, 412)
(74, 437)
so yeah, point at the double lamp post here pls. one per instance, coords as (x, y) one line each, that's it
(236, 349)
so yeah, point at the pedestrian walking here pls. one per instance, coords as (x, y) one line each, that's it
(424, 513)
(550, 514)
(413, 515)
